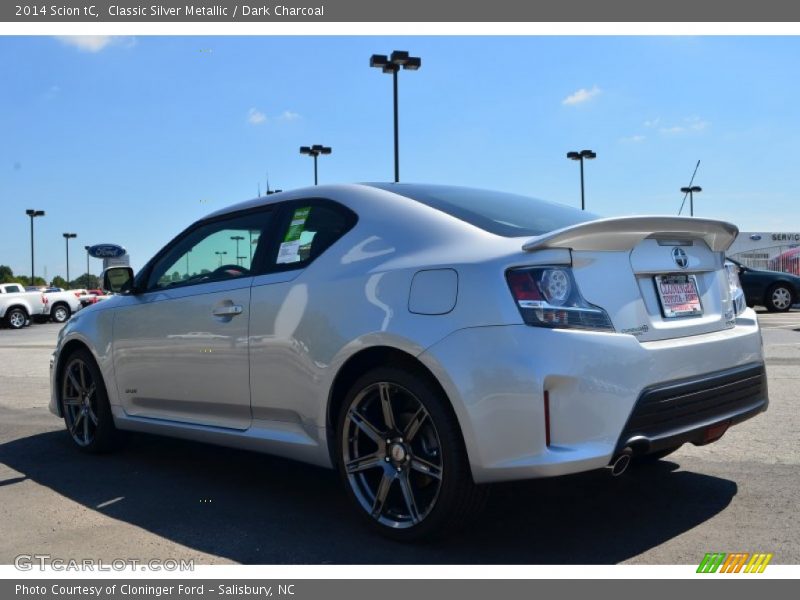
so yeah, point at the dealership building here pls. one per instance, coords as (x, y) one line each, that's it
(779, 251)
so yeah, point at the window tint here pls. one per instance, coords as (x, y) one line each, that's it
(215, 251)
(308, 230)
(500, 213)
(14, 289)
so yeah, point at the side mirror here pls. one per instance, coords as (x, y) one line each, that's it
(118, 279)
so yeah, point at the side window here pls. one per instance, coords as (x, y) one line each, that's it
(309, 230)
(216, 251)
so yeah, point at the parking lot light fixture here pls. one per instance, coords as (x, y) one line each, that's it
(87, 263)
(237, 239)
(67, 238)
(392, 64)
(32, 213)
(220, 254)
(691, 191)
(581, 156)
(314, 151)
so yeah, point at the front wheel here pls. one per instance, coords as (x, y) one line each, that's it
(779, 298)
(84, 402)
(401, 456)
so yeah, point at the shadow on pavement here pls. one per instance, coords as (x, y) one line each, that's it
(256, 509)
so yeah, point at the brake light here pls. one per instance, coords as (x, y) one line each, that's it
(549, 297)
(44, 299)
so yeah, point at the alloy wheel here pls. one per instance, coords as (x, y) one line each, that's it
(781, 298)
(60, 314)
(17, 319)
(392, 455)
(79, 398)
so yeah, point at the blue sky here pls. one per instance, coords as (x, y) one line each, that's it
(129, 140)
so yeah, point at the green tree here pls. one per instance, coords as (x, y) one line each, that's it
(6, 274)
(85, 282)
(59, 281)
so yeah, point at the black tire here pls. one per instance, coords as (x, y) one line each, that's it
(653, 457)
(84, 402)
(60, 312)
(779, 298)
(430, 464)
(16, 318)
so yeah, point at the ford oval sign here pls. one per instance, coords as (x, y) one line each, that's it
(755, 237)
(107, 251)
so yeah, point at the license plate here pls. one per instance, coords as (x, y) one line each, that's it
(679, 297)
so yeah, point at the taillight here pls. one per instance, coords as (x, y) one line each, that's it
(44, 299)
(549, 297)
(735, 288)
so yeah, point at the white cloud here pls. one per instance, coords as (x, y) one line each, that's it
(95, 43)
(256, 117)
(652, 122)
(689, 124)
(634, 139)
(581, 96)
(288, 115)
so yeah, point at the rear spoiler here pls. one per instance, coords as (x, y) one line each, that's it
(623, 233)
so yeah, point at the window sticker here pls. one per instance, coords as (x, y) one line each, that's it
(289, 251)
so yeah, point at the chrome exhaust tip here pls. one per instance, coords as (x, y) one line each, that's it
(620, 464)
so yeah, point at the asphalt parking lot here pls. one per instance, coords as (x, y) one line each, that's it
(161, 498)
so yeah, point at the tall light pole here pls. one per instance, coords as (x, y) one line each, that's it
(87, 264)
(392, 64)
(67, 238)
(581, 156)
(220, 254)
(237, 239)
(313, 151)
(33, 214)
(691, 191)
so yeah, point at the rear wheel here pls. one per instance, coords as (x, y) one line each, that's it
(84, 401)
(16, 318)
(401, 456)
(60, 313)
(779, 298)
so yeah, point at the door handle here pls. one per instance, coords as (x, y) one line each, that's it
(230, 310)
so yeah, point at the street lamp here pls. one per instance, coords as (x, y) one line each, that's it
(237, 239)
(87, 264)
(67, 238)
(220, 254)
(313, 151)
(33, 214)
(581, 156)
(691, 191)
(392, 64)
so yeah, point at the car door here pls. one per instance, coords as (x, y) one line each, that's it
(290, 333)
(181, 347)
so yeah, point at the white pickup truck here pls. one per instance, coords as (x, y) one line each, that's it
(61, 305)
(18, 307)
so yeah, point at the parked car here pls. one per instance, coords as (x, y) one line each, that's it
(423, 340)
(92, 297)
(17, 306)
(774, 290)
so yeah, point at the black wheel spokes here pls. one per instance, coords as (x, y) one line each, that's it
(79, 401)
(395, 477)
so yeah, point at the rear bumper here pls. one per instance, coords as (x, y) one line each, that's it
(696, 410)
(496, 377)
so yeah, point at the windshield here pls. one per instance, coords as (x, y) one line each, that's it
(509, 215)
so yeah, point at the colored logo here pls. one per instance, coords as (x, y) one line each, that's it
(737, 562)
(106, 251)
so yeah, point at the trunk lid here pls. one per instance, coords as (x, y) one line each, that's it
(642, 271)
